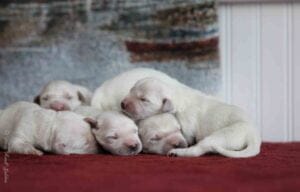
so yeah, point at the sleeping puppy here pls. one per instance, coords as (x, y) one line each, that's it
(110, 94)
(161, 133)
(63, 96)
(27, 128)
(88, 111)
(207, 124)
(116, 133)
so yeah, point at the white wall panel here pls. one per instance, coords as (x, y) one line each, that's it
(273, 65)
(243, 88)
(260, 56)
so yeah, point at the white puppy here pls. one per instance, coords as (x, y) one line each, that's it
(27, 128)
(214, 125)
(62, 96)
(116, 133)
(88, 111)
(161, 133)
(110, 94)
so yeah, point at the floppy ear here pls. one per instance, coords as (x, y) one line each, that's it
(167, 105)
(37, 100)
(84, 95)
(81, 97)
(92, 122)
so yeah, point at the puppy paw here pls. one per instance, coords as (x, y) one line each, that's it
(175, 153)
(34, 152)
(38, 152)
(171, 154)
(185, 152)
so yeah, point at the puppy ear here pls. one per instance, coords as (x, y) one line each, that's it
(81, 97)
(167, 106)
(92, 122)
(84, 95)
(37, 100)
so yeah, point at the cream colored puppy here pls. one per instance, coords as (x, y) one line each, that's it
(88, 111)
(214, 125)
(110, 94)
(63, 96)
(161, 133)
(116, 133)
(27, 128)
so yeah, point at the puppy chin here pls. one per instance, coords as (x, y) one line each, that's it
(131, 115)
(125, 152)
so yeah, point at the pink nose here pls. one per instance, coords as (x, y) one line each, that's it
(124, 104)
(57, 106)
(128, 106)
(132, 145)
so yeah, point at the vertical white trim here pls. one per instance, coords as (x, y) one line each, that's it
(285, 73)
(289, 72)
(258, 75)
(222, 51)
(226, 51)
(229, 53)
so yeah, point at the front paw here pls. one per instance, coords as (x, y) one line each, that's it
(174, 153)
(37, 152)
(33, 152)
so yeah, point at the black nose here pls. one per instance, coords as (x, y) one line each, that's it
(133, 147)
(123, 105)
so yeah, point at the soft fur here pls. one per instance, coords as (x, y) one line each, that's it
(63, 96)
(116, 133)
(88, 111)
(110, 94)
(207, 124)
(161, 133)
(27, 128)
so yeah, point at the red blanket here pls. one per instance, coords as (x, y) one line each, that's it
(277, 168)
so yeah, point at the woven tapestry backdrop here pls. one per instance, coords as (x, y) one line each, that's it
(89, 41)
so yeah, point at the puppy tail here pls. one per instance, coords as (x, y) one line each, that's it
(252, 148)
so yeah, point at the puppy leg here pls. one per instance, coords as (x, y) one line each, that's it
(196, 150)
(232, 137)
(23, 147)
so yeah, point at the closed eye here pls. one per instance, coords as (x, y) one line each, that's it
(154, 139)
(143, 99)
(114, 137)
(69, 97)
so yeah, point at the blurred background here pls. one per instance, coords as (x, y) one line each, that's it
(89, 41)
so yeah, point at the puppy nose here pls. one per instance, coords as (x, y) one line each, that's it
(57, 106)
(133, 147)
(123, 105)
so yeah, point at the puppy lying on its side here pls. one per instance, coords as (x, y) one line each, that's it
(116, 133)
(27, 128)
(214, 125)
(161, 133)
(63, 96)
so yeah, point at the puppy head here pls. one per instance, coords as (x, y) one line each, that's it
(62, 96)
(148, 97)
(117, 134)
(72, 135)
(161, 133)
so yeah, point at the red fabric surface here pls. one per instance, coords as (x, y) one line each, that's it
(277, 168)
